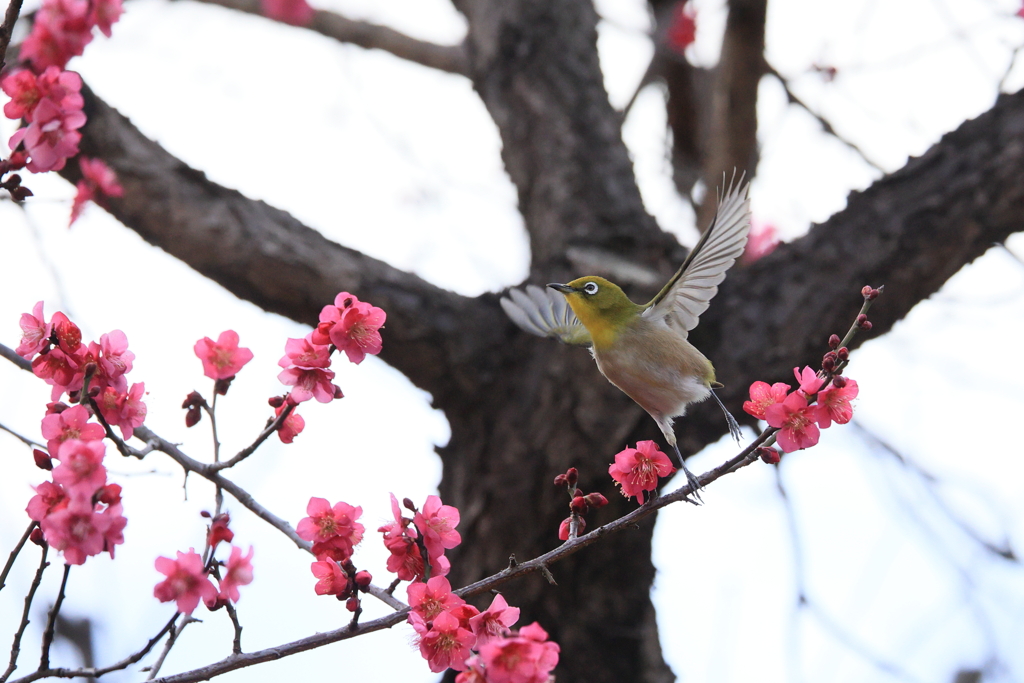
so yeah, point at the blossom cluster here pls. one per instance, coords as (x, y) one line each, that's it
(51, 104)
(449, 630)
(432, 529)
(79, 511)
(798, 420)
(62, 360)
(188, 578)
(62, 29)
(335, 533)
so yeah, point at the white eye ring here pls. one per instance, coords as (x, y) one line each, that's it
(590, 288)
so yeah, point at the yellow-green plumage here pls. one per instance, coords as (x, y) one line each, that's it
(643, 349)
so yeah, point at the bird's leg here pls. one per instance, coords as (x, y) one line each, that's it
(734, 427)
(692, 480)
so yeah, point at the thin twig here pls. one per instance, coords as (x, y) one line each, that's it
(822, 121)
(14, 554)
(51, 621)
(10, 18)
(175, 632)
(236, 644)
(24, 439)
(250, 449)
(16, 645)
(92, 672)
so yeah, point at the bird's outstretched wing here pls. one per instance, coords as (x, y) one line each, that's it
(687, 294)
(545, 313)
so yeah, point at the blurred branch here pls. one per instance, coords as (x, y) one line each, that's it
(822, 121)
(24, 439)
(1004, 551)
(450, 58)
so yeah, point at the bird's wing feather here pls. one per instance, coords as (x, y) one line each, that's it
(688, 293)
(545, 313)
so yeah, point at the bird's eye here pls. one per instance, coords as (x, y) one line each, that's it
(590, 288)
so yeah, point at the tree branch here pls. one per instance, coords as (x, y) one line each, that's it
(450, 58)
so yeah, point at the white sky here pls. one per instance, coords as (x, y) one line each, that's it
(403, 163)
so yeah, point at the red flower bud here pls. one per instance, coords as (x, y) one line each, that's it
(595, 500)
(219, 530)
(561, 480)
(221, 386)
(37, 537)
(866, 325)
(193, 416)
(839, 381)
(363, 578)
(352, 604)
(862, 318)
(337, 393)
(828, 363)
(276, 401)
(572, 475)
(408, 504)
(42, 459)
(68, 335)
(843, 353)
(110, 494)
(769, 455)
(833, 341)
(578, 505)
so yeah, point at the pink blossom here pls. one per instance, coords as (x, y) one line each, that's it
(527, 657)
(81, 466)
(56, 367)
(35, 332)
(405, 559)
(446, 645)
(303, 353)
(238, 572)
(52, 137)
(21, 87)
(331, 580)
(352, 326)
(61, 30)
(494, 622)
(187, 582)
(309, 383)
(334, 529)
(125, 410)
(433, 597)
(682, 29)
(291, 427)
(437, 524)
(114, 358)
(104, 14)
(808, 380)
(835, 404)
(637, 470)
(295, 12)
(49, 498)
(222, 358)
(762, 395)
(763, 240)
(796, 422)
(98, 182)
(474, 672)
(114, 535)
(76, 530)
(72, 423)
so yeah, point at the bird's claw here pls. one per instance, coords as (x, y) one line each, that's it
(695, 486)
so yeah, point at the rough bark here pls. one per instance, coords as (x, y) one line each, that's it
(522, 409)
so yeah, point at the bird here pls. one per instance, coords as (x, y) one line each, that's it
(642, 348)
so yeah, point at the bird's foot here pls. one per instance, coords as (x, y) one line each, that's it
(695, 486)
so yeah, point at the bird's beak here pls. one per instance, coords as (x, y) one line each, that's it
(564, 289)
